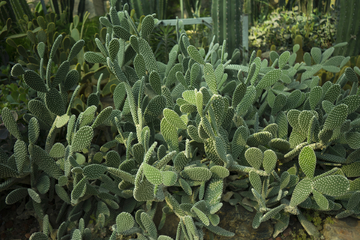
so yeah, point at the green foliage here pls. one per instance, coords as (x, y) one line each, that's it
(281, 26)
(178, 135)
(15, 96)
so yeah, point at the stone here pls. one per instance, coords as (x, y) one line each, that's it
(94, 7)
(342, 229)
(265, 55)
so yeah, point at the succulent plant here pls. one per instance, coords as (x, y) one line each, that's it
(179, 134)
(227, 24)
(347, 34)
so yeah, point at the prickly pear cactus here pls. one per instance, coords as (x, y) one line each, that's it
(183, 134)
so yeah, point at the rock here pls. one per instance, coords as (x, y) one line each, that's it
(94, 7)
(342, 229)
(265, 55)
(239, 221)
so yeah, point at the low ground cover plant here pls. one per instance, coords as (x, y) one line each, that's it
(282, 26)
(181, 134)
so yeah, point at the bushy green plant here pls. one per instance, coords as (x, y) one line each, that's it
(282, 26)
(178, 133)
(14, 96)
(162, 40)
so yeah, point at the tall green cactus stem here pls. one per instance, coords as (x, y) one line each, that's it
(349, 32)
(227, 25)
(6, 13)
(299, 40)
(20, 8)
(146, 7)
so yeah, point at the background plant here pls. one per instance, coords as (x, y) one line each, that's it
(351, 33)
(227, 25)
(163, 39)
(282, 26)
(259, 10)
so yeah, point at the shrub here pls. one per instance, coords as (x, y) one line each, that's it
(282, 26)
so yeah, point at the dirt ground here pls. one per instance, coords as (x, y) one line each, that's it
(16, 226)
(18, 223)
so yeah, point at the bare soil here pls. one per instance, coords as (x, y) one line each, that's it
(16, 223)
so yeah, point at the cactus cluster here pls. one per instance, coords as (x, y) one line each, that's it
(17, 11)
(181, 134)
(44, 29)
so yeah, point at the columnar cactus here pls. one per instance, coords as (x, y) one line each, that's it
(226, 16)
(351, 33)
